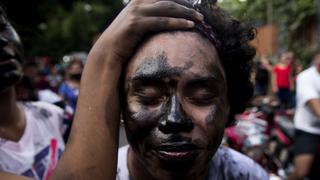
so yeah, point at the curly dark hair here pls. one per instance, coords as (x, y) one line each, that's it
(231, 39)
(235, 53)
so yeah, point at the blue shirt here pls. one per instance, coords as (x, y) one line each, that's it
(70, 94)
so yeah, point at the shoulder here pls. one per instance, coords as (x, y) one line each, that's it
(45, 105)
(308, 73)
(230, 164)
(43, 110)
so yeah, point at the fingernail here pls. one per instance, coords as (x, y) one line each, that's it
(200, 16)
(190, 23)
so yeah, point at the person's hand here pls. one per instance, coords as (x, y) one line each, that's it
(143, 16)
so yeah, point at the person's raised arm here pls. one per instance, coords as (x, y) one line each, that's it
(5, 175)
(92, 150)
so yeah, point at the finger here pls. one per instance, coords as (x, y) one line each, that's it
(167, 23)
(181, 2)
(171, 9)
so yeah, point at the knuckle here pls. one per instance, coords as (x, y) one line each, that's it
(193, 12)
(133, 21)
(163, 21)
(134, 8)
(181, 21)
(168, 5)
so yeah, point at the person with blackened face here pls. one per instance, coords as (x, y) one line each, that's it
(177, 104)
(177, 71)
(30, 132)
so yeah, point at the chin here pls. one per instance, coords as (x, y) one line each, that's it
(177, 168)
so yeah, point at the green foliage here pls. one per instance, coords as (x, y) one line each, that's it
(74, 30)
(58, 27)
(283, 11)
(290, 16)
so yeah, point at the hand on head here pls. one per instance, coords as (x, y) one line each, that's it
(141, 17)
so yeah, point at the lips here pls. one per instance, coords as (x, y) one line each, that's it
(177, 151)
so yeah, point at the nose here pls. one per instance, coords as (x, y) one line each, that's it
(175, 120)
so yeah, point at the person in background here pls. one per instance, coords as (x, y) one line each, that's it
(54, 78)
(296, 68)
(282, 80)
(30, 132)
(307, 122)
(262, 76)
(69, 89)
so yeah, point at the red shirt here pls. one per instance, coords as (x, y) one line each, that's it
(282, 75)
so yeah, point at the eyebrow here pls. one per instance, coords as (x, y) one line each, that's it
(206, 79)
(156, 79)
(155, 76)
(204, 82)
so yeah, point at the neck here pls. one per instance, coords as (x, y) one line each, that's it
(8, 108)
(138, 171)
(12, 123)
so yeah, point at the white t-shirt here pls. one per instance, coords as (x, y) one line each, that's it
(41, 145)
(308, 87)
(49, 96)
(226, 164)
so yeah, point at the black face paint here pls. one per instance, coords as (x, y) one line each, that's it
(175, 119)
(159, 68)
(172, 118)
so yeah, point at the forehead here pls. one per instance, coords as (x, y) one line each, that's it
(174, 51)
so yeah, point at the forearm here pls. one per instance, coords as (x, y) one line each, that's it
(314, 105)
(94, 137)
(4, 175)
(92, 150)
(274, 83)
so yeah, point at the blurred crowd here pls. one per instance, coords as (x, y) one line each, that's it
(279, 130)
(278, 79)
(275, 88)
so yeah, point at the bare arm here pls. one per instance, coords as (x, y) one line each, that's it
(4, 175)
(266, 63)
(314, 105)
(274, 83)
(92, 150)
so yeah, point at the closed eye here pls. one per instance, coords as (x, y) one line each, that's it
(149, 96)
(202, 101)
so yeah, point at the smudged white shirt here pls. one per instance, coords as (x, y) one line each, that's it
(226, 164)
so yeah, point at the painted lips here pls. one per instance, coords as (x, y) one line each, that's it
(177, 152)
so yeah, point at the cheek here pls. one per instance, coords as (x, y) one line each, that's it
(208, 116)
(210, 122)
(141, 118)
